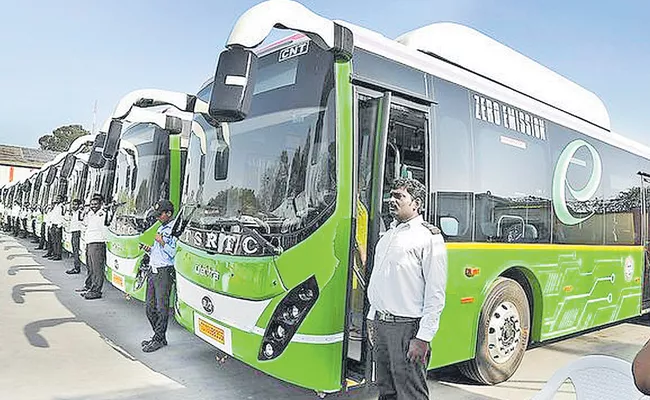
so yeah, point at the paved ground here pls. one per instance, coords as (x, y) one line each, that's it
(55, 345)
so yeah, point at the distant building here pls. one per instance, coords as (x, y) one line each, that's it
(19, 162)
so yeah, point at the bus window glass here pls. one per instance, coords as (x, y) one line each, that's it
(513, 185)
(453, 162)
(578, 217)
(622, 194)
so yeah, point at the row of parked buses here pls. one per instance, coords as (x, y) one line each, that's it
(279, 169)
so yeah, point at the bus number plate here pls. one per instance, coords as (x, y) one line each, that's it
(215, 334)
(118, 281)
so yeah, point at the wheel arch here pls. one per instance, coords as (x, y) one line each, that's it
(529, 282)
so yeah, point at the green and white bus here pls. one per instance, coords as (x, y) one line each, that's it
(48, 189)
(147, 140)
(544, 209)
(75, 172)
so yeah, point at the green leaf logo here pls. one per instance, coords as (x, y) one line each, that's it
(561, 186)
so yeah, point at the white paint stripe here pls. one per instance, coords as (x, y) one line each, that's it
(238, 313)
(125, 266)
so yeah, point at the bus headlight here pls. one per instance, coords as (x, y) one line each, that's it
(268, 350)
(287, 317)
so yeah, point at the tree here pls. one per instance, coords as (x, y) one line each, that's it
(62, 137)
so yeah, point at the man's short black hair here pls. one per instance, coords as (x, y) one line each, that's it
(97, 196)
(413, 187)
(76, 201)
(162, 206)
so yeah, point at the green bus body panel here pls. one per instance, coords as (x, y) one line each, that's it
(574, 288)
(249, 278)
(175, 168)
(128, 247)
(317, 367)
(324, 254)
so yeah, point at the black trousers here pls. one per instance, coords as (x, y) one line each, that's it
(57, 237)
(76, 237)
(397, 378)
(50, 240)
(34, 238)
(42, 243)
(159, 286)
(95, 258)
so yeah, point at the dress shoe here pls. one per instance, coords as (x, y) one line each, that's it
(73, 271)
(147, 342)
(82, 290)
(56, 259)
(153, 346)
(92, 295)
(47, 255)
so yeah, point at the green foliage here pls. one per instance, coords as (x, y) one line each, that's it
(61, 138)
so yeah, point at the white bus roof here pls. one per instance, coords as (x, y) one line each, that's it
(552, 106)
(485, 56)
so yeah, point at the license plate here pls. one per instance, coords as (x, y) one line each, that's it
(118, 281)
(213, 333)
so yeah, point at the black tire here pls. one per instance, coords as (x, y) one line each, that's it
(485, 368)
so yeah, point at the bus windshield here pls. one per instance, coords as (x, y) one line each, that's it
(141, 178)
(273, 172)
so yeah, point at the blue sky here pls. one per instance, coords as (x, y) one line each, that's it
(57, 58)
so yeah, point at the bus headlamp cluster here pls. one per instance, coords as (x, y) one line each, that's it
(287, 317)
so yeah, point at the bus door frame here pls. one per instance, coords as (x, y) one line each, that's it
(645, 232)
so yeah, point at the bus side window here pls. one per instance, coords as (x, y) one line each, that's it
(406, 149)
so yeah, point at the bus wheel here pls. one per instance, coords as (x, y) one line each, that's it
(502, 334)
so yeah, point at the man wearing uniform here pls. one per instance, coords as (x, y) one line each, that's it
(406, 294)
(56, 221)
(95, 237)
(42, 241)
(76, 223)
(159, 282)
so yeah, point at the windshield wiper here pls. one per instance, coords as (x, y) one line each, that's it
(181, 221)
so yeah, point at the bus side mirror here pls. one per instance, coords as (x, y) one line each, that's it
(112, 144)
(234, 81)
(96, 159)
(68, 165)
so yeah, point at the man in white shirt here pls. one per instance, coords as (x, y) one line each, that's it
(406, 294)
(95, 237)
(56, 221)
(76, 223)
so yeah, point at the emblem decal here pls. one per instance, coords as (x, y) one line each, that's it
(561, 186)
(207, 304)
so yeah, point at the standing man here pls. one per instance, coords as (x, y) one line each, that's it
(406, 294)
(76, 223)
(42, 241)
(57, 228)
(49, 216)
(95, 236)
(159, 282)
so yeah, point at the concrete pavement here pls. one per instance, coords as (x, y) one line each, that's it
(55, 345)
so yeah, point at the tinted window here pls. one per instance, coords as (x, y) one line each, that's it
(512, 172)
(453, 162)
(577, 188)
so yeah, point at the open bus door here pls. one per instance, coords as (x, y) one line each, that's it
(645, 232)
(371, 129)
(391, 138)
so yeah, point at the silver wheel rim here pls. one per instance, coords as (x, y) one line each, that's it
(504, 332)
